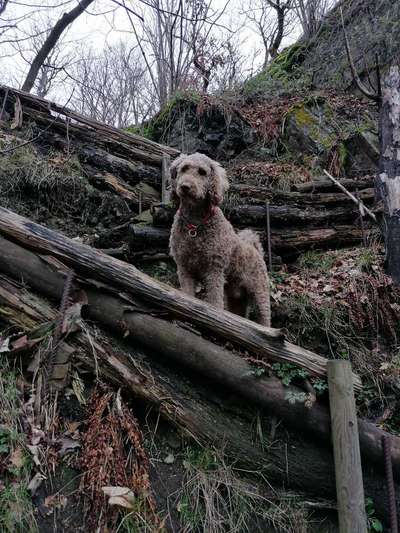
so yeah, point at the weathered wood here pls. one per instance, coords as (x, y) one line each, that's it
(165, 178)
(280, 215)
(37, 103)
(258, 195)
(210, 416)
(351, 196)
(131, 319)
(285, 242)
(346, 449)
(327, 186)
(388, 181)
(268, 342)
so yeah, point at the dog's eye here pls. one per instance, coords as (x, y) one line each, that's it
(202, 172)
(184, 168)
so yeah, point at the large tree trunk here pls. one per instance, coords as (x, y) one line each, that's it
(260, 340)
(51, 42)
(180, 345)
(208, 415)
(389, 179)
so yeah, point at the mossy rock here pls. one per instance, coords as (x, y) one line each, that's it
(316, 131)
(284, 75)
(192, 123)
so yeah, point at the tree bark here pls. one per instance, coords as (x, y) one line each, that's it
(280, 215)
(285, 242)
(388, 182)
(210, 416)
(51, 42)
(327, 186)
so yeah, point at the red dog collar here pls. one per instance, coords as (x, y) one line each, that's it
(194, 228)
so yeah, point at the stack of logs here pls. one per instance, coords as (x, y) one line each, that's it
(174, 348)
(311, 215)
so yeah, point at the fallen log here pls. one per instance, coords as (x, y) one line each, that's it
(280, 215)
(127, 316)
(285, 242)
(260, 340)
(207, 416)
(35, 106)
(259, 195)
(325, 185)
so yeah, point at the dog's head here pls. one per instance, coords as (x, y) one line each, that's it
(196, 177)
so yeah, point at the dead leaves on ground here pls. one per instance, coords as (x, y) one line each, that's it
(114, 463)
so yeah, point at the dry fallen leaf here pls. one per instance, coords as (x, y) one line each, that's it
(121, 496)
(17, 458)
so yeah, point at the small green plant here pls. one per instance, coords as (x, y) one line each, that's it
(296, 397)
(287, 372)
(317, 261)
(374, 524)
(320, 386)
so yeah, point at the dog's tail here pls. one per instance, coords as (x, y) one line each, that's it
(250, 237)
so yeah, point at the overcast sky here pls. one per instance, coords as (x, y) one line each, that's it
(104, 22)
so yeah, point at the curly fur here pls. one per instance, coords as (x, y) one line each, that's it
(229, 265)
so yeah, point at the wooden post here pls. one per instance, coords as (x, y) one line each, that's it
(346, 448)
(165, 176)
(269, 236)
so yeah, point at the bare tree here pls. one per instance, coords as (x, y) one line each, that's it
(51, 41)
(169, 37)
(273, 20)
(311, 13)
(3, 5)
(112, 87)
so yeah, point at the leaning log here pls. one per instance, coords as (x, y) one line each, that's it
(197, 411)
(177, 343)
(260, 340)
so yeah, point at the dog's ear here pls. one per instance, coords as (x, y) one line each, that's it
(218, 183)
(174, 198)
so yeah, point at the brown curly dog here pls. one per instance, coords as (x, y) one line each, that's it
(206, 248)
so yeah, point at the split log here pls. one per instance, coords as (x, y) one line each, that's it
(285, 242)
(260, 340)
(280, 215)
(178, 344)
(198, 412)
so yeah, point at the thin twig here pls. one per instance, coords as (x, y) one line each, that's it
(358, 202)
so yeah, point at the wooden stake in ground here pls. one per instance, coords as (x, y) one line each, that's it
(165, 177)
(346, 447)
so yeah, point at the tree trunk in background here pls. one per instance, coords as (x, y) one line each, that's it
(51, 41)
(388, 182)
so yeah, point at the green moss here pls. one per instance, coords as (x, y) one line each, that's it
(158, 123)
(303, 117)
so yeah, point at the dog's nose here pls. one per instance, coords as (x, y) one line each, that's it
(185, 187)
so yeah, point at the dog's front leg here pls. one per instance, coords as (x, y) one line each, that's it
(186, 282)
(214, 288)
